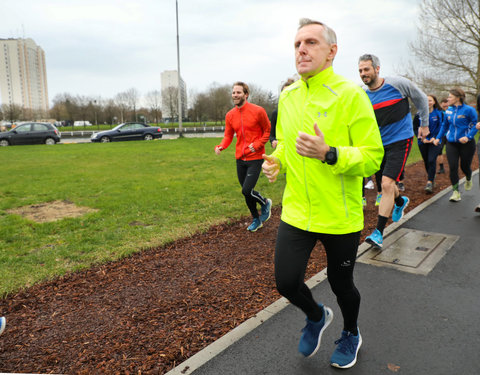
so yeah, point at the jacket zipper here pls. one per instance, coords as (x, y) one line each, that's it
(309, 222)
(455, 125)
(243, 135)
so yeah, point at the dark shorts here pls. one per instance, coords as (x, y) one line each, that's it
(395, 158)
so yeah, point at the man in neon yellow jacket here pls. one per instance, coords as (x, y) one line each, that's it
(328, 140)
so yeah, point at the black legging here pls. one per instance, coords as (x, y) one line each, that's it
(292, 252)
(430, 153)
(248, 173)
(464, 152)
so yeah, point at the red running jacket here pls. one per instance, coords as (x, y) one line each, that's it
(251, 125)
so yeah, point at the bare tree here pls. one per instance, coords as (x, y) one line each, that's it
(448, 45)
(199, 107)
(12, 112)
(170, 102)
(132, 96)
(121, 100)
(154, 103)
(110, 111)
(220, 101)
(263, 98)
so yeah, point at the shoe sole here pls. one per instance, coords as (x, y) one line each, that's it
(3, 324)
(373, 243)
(328, 319)
(455, 200)
(351, 364)
(269, 211)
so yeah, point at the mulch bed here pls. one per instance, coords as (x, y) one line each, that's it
(151, 311)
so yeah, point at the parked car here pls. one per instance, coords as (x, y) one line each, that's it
(82, 123)
(129, 131)
(30, 133)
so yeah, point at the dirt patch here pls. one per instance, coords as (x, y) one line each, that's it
(51, 211)
(153, 310)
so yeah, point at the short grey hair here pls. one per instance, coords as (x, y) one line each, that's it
(369, 57)
(328, 33)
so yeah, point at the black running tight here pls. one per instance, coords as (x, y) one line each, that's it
(248, 173)
(292, 252)
(460, 151)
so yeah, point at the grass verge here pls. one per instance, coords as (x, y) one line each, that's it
(146, 193)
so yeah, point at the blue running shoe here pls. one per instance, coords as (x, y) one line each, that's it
(378, 199)
(3, 323)
(375, 239)
(398, 210)
(256, 224)
(313, 331)
(345, 355)
(266, 211)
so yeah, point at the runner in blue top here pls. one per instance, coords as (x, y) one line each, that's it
(389, 97)
(428, 149)
(459, 126)
(3, 323)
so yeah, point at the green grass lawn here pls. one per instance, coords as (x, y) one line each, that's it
(146, 193)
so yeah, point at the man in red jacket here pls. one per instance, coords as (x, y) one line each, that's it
(251, 125)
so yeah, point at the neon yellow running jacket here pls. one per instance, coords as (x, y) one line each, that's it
(319, 197)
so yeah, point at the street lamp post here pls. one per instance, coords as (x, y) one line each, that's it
(178, 78)
(95, 110)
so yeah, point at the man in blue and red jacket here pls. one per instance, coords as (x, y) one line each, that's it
(389, 97)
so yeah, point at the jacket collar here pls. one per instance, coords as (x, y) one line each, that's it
(319, 78)
(243, 107)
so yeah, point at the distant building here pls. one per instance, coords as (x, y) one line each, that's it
(169, 101)
(23, 74)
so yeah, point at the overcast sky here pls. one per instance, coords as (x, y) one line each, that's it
(102, 47)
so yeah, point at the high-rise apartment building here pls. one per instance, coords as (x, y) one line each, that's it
(169, 98)
(23, 74)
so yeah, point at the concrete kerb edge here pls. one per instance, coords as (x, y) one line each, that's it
(215, 348)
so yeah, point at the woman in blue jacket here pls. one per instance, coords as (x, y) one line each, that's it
(459, 125)
(428, 149)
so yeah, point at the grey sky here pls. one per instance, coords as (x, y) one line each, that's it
(102, 47)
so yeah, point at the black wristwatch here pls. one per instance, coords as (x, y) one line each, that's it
(331, 156)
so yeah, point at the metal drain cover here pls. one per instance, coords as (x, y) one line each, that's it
(410, 251)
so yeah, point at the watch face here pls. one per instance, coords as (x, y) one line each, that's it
(331, 156)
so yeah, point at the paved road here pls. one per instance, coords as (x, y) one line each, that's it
(67, 140)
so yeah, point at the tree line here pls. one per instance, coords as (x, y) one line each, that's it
(210, 105)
